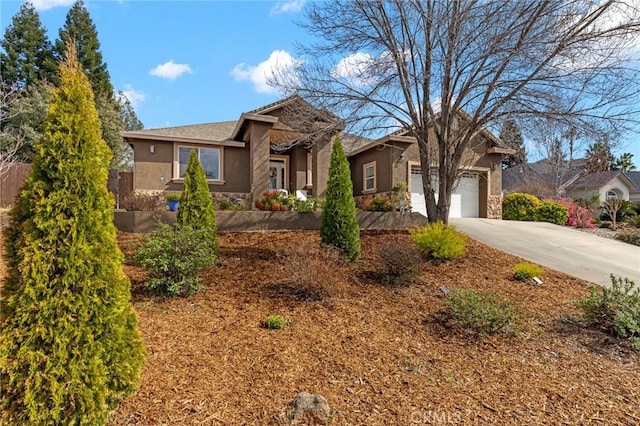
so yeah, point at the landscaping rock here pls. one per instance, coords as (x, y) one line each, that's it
(309, 409)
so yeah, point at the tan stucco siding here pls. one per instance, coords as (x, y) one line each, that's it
(153, 170)
(382, 159)
(259, 158)
(298, 168)
(236, 171)
(321, 154)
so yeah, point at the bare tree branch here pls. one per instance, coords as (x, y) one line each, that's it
(8, 151)
(415, 64)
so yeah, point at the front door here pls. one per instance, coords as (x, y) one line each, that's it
(277, 175)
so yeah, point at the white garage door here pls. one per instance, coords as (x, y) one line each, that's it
(465, 199)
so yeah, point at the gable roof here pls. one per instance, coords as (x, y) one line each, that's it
(634, 176)
(598, 180)
(493, 139)
(207, 132)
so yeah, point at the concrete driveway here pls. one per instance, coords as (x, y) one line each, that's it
(564, 249)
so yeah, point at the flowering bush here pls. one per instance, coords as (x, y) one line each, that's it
(579, 216)
(378, 203)
(275, 201)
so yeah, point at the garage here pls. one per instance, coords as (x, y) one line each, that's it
(465, 199)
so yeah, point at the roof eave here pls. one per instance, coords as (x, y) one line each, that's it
(128, 136)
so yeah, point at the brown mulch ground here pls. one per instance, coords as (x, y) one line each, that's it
(375, 353)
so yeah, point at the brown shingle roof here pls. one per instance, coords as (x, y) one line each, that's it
(206, 132)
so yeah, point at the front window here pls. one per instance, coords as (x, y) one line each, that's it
(611, 195)
(209, 160)
(369, 178)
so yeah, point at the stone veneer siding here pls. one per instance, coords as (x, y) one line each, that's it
(494, 207)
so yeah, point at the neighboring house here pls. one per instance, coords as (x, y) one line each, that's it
(634, 194)
(263, 150)
(378, 165)
(544, 180)
(607, 185)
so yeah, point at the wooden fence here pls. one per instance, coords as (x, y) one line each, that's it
(11, 182)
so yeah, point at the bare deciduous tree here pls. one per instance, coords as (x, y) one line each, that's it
(416, 64)
(9, 145)
(611, 207)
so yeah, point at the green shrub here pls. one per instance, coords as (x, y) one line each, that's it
(633, 221)
(277, 322)
(519, 206)
(70, 349)
(172, 196)
(626, 210)
(482, 313)
(630, 236)
(196, 205)
(552, 212)
(440, 241)
(525, 271)
(224, 204)
(616, 309)
(339, 227)
(400, 264)
(379, 203)
(306, 206)
(174, 255)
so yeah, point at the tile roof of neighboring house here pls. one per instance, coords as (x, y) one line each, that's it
(206, 132)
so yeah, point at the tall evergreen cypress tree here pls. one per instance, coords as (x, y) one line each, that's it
(339, 226)
(70, 348)
(28, 54)
(80, 31)
(196, 206)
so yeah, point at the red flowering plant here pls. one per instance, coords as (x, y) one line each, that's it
(275, 201)
(579, 216)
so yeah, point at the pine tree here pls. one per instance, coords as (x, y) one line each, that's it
(512, 137)
(196, 205)
(339, 226)
(70, 348)
(128, 115)
(28, 54)
(80, 30)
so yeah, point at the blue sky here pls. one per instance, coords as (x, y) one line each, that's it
(189, 62)
(185, 62)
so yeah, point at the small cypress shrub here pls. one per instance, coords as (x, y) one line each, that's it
(552, 212)
(70, 350)
(196, 205)
(440, 241)
(525, 271)
(339, 226)
(519, 206)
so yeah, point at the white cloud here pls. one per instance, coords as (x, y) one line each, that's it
(136, 97)
(279, 62)
(170, 70)
(50, 4)
(292, 6)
